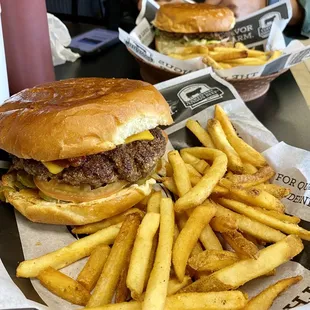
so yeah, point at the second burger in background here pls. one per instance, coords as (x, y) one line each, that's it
(182, 25)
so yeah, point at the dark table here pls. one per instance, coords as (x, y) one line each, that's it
(283, 110)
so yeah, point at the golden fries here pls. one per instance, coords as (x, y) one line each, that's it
(69, 254)
(175, 285)
(265, 299)
(209, 239)
(141, 254)
(199, 164)
(273, 222)
(212, 260)
(64, 286)
(90, 274)
(275, 55)
(274, 189)
(211, 62)
(229, 55)
(157, 287)
(243, 271)
(180, 173)
(106, 285)
(203, 189)
(154, 202)
(223, 224)
(280, 216)
(243, 247)
(122, 292)
(188, 237)
(200, 133)
(218, 136)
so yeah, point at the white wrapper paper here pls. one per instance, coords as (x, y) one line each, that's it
(262, 29)
(193, 96)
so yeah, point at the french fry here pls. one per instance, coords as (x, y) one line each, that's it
(169, 170)
(180, 173)
(275, 55)
(69, 254)
(246, 152)
(188, 237)
(242, 246)
(199, 164)
(187, 50)
(209, 239)
(220, 191)
(245, 270)
(225, 66)
(211, 62)
(253, 228)
(251, 238)
(212, 260)
(141, 253)
(184, 57)
(249, 168)
(235, 300)
(218, 136)
(194, 180)
(192, 171)
(94, 227)
(175, 285)
(122, 292)
(229, 55)
(154, 202)
(200, 133)
(240, 45)
(90, 273)
(280, 216)
(106, 285)
(157, 287)
(64, 286)
(223, 224)
(199, 193)
(273, 222)
(250, 61)
(257, 198)
(170, 185)
(274, 189)
(265, 299)
(248, 180)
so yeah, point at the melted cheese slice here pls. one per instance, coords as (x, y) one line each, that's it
(144, 135)
(53, 167)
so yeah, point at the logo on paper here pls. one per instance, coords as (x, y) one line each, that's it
(195, 95)
(265, 23)
(299, 57)
(139, 50)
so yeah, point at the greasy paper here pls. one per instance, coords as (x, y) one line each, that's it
(262, 30)
(193, 96)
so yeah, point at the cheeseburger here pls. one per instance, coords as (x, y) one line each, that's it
(82, 149)
(184, 24)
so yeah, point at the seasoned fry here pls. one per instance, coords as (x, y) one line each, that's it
(194, 180)
(249, 168)
(229, 55)
(280, 216)
(212, 260)
(157, 287)
(175, 285)
(192, 171)
(248, 180)
(275, 190)
(170, 185)
(180, 173)
(154, 202)
(199, 193)
(245, 151)
(225, 66)
(209, 239)
(240, 45)
(273, 222)
(242, 246)
(223, 224)
(245, 270)
(275, 55)
(218, 136)
(94, 227)
(198, 164)
(211, 62)
(200, 133)
(250, 61)
(184, 57)
(64, 286)
(69, 254)
(106, 285)
(169, 170)
(188, 237)
(257, 198)
(141, 253)
(265, 299)
(253, 228)
(90, 274)
(122, 292)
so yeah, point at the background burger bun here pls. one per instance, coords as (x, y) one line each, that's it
(194, 18)
(78, 117)
(29, 203)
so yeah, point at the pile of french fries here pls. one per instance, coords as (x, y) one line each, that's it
(226, 57)
(225, 227)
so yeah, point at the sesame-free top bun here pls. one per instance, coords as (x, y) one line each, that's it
(78, 117)
(194, 18)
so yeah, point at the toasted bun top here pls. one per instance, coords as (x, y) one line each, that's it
(78, 117)
(193, 18)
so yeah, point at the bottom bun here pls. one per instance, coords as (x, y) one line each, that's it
(29, 203)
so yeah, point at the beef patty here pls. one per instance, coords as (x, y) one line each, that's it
(130, 162)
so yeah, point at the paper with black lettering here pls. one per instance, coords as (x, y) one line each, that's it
(262, 30)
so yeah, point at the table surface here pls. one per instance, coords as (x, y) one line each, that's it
(283, 110)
